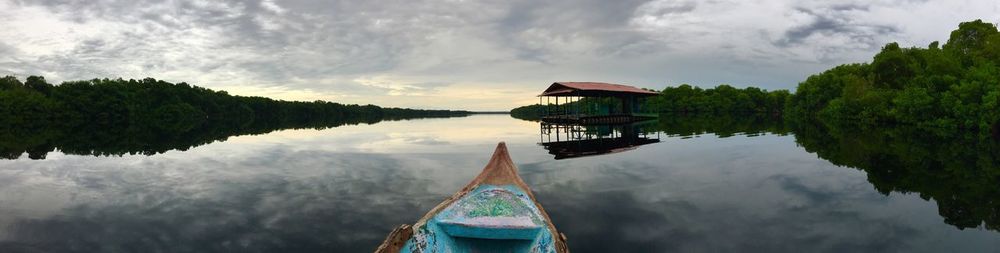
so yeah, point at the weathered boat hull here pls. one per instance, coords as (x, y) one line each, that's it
(496, 212)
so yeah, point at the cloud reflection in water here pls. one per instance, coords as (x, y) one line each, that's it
(344, 189)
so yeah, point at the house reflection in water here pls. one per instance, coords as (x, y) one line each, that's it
(574, 140)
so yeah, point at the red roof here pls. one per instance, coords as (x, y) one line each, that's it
(566, 88)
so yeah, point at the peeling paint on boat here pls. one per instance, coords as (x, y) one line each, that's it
(494, 212)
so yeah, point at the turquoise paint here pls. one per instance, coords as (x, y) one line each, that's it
(491, 218)
(455, 230)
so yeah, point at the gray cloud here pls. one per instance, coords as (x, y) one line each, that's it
(838, 24)
(6, 49)
(382, 51)
(604, 21)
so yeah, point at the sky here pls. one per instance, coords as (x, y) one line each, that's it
(460, 54)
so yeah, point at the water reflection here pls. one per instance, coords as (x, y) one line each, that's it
(118, 140)
(710, 184)
(722, 125)
(959, 171)
(574, 140)
(291, 191)
(266, 210)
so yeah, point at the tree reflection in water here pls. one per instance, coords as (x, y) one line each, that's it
(112, 140)
(674, 195)
(959, 171)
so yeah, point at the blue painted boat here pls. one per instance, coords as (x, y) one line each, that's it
(496, 212)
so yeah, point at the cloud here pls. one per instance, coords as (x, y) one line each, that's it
(6, 49)
(832, 26)
(323, 49)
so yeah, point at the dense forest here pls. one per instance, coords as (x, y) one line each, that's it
(914, 119)
(528, 112)
(721, 99)
(115, 116)
(683, 99)
(944, 88)
(172, 107)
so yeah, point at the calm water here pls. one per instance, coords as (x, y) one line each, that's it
(343, 189)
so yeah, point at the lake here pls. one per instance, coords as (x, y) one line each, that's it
(697, 185)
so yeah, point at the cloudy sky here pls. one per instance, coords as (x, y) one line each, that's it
(459, 54)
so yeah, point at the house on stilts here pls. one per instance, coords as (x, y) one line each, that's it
(594, 103)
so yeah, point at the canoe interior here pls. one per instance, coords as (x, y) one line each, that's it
(492, 212)
(491, 218)
(496, 212)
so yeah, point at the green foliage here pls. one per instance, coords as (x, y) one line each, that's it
(818, 91)
(38, 84)
(893, 67)
(683, 99)
(972, 40)
(912, 102)
(116, 116)
(529, 112)
(721, 99)
(953, 87)
(10, 83)
(26, 104)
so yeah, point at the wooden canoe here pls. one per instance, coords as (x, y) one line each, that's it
(496, 212)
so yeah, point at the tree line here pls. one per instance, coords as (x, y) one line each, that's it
(528, 112)
(116, 116)
(721, 99)
(167, 105)
(914, 120)
(944, 88)
(684, 99)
